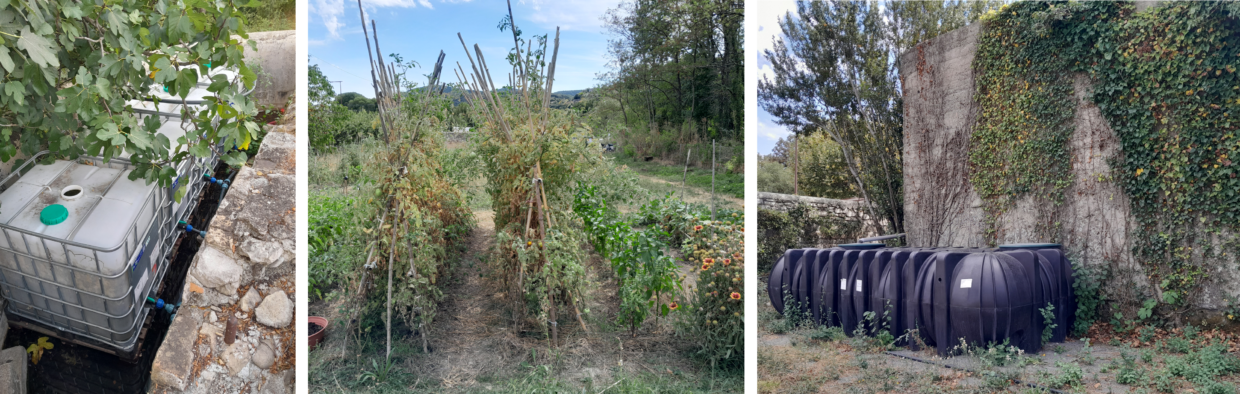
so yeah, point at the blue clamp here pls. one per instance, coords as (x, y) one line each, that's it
(160, 304)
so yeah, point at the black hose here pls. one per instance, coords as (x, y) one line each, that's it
(1017, 381)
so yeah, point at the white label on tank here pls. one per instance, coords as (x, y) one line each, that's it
(137, 290)
(966, 283)
(843, 284)
(858, 285)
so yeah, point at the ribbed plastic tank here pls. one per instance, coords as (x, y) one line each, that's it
(854, 290)
(826, 290)
(90, 273)
(913, 265)
(1054, 279)
(780, 282)
(991, 300)
(812, 288)
(887, 298)
(864, 278)
(932, 299)
(802, 276)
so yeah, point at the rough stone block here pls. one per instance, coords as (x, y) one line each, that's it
(175, 359)
(275, 311)
(215, 269)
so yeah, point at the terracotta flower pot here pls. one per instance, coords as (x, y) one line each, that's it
(318, 336)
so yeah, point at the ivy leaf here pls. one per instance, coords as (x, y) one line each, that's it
(39, 48)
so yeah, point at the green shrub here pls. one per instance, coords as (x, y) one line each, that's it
(1070, 375)
(774, 177)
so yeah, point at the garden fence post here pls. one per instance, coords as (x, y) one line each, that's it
(686, 176)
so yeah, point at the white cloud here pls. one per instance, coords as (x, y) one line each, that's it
(772, 132)
(767, 16)
(578, 15)
(332, 12)
(766, 73)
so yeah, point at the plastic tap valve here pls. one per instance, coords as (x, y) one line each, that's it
(189, 229)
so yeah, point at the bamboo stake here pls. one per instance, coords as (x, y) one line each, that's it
(369, 255)
(373, 80)
(391, 260)
(542, 229)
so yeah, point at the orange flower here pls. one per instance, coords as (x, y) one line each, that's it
(708, 260)
(673, 306)
(727, 261)
(736, 296)
(697, 228)
(705, 267)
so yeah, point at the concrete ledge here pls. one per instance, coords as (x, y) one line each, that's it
(13, 370)
(175, 360)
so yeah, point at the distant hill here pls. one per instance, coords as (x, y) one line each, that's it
(563, 99)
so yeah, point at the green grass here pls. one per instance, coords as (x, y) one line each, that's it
(725, 183)
(271, 15)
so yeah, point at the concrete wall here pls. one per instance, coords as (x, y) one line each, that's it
(942, 208)
(276, 56)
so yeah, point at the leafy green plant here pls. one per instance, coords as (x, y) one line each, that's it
(1070, 375)
(1048, 322)
(714, 321)
(379, 373)
(1128, 372)
(70, 68)
(1087, 354)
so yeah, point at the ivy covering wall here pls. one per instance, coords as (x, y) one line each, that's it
(1164, 80)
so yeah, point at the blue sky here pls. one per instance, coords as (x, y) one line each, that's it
(767, 17)
(419, 29)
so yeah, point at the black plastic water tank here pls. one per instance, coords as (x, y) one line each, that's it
(813, 292)
(1055, 279)
(803, 278)
(826, 288)
(887, 299)
(991, 299)
(844, 292)
(913, 265)
(779, 282)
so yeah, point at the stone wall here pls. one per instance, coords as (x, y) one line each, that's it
(244, 270)
(847, 210)
(942, 209)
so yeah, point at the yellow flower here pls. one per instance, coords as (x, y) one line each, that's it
(736, 296)
(1139, 171)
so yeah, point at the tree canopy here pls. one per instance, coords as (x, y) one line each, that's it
(677, 61)
(68, 68)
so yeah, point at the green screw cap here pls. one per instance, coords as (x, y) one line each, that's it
(54, 214)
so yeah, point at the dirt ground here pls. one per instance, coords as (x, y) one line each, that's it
(798, 360)
(475, 344)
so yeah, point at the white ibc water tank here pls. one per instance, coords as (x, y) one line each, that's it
(76, 242)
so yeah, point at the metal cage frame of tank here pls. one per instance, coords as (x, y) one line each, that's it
(162, 229)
